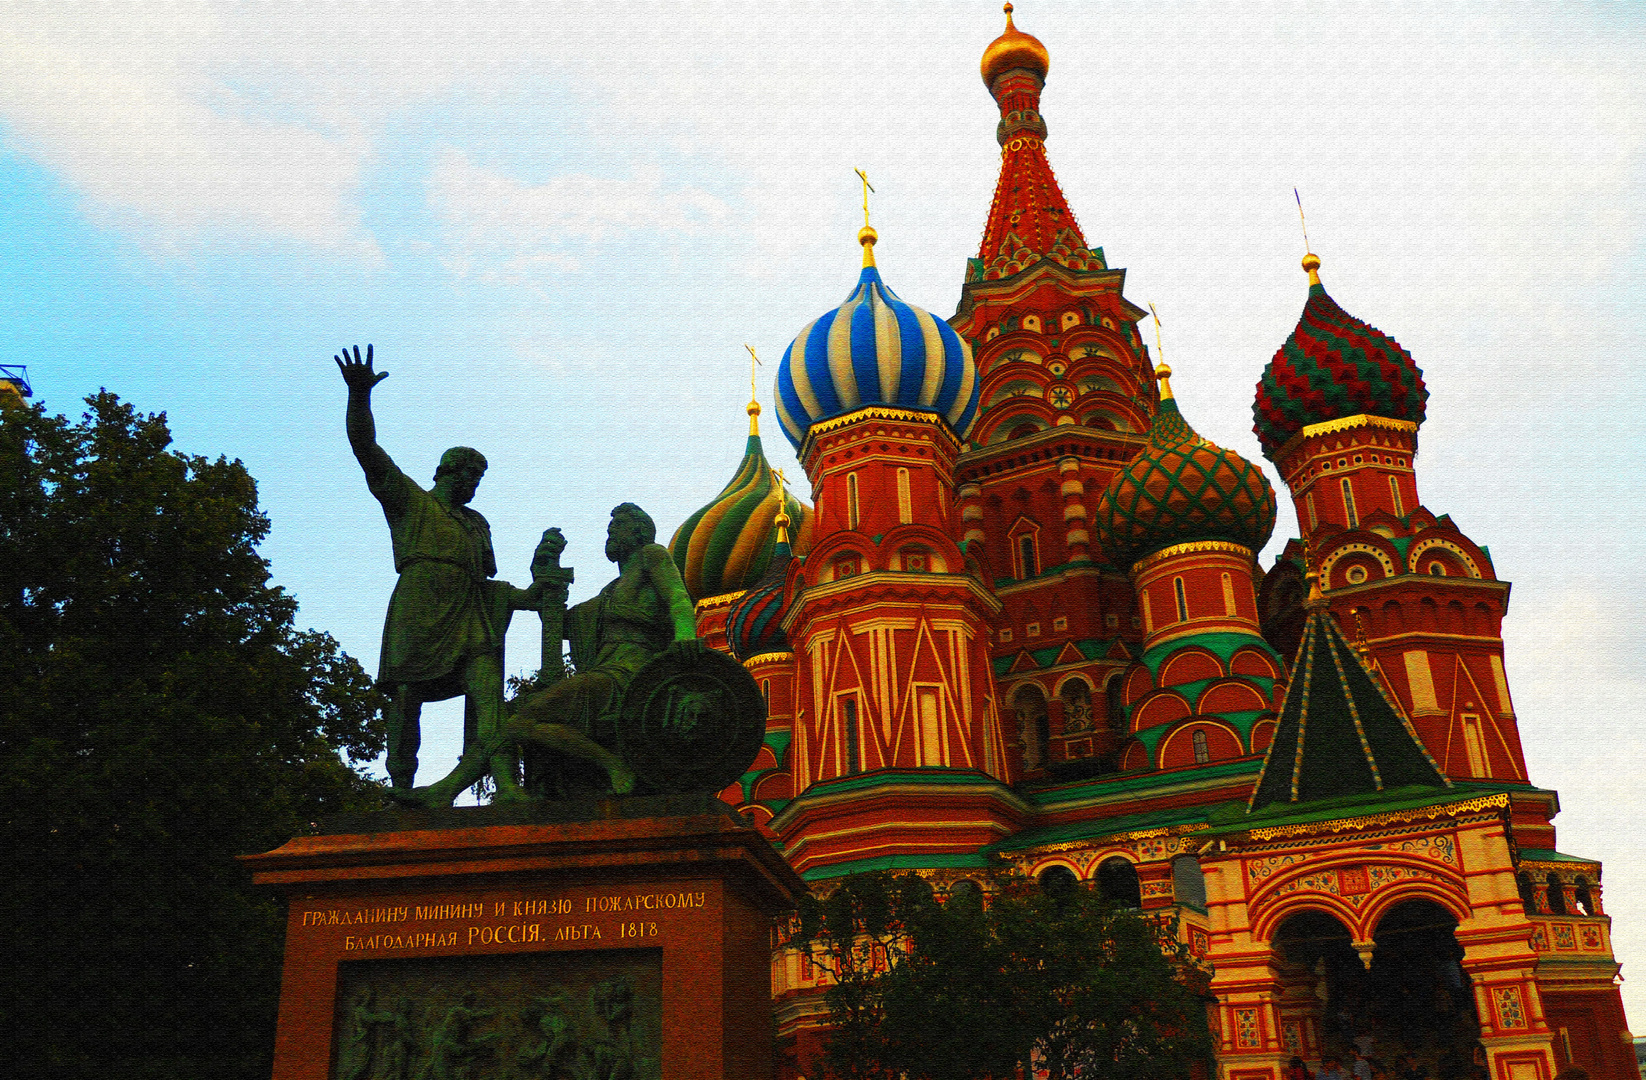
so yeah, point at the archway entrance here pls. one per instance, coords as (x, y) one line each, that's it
(1415, 998)
(1420, 1000)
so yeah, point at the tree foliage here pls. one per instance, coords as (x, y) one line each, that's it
(973, 987)
(160, 713)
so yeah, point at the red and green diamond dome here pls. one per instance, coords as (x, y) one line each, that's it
(1182, 488)
(1333, 366)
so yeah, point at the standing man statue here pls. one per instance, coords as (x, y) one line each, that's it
(443, 635)
(644, 613)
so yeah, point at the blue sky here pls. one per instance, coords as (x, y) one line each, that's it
(559, 225)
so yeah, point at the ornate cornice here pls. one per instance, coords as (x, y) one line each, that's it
(1189, 548)
(1415, 815)
(768, 658)
(1343, 423)
(722, 600)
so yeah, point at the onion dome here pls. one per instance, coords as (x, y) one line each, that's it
(875, 350)
(1182, 488)
(728, 544)
(755, 623)
(1014, 49)
(1333, 366)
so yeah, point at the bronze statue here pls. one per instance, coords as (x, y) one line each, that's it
(443, 636)
(643, 614)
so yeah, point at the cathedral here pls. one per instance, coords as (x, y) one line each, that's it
(1023, 621)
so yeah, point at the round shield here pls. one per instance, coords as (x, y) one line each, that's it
(691, 722)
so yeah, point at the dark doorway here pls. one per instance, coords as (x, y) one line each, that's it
(1420, 998)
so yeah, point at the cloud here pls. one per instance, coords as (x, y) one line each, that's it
(164, 152)
(513, 229)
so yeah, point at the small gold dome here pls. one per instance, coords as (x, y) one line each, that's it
(1014, 49)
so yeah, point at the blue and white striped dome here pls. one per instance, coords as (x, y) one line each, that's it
(875, 350)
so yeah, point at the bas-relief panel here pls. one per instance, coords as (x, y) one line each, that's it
(555, 1016)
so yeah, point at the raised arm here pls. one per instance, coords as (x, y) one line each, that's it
(360, 377)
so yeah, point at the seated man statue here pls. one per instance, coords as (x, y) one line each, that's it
(443, 635)
(641, 614)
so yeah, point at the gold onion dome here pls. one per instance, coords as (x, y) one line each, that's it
(1182, 488)
(727, 545)
(1014, 49)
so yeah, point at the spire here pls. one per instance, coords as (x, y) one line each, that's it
(1339, 734)
(1029, 219)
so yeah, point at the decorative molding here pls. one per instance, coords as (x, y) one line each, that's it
(1191, 547)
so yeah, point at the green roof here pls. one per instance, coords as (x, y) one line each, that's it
(1533, 854)
(1095, 829)
(1137, 783)
(971, 860)
(1223, 646)
(1338, 734)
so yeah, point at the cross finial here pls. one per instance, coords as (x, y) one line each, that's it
(866, 235)
(1162, 373)
(1311, 261)
(753, 408)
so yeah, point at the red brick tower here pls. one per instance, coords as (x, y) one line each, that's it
(1067, 396)
(1337, 411)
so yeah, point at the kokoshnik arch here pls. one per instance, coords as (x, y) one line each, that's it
(1023, 618)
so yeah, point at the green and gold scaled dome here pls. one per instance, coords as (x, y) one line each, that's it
(1182, 488)
(726, 546)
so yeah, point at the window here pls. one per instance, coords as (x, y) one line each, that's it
(1111, 622)
(1032, 630)
(1188, 882)
(1182, 600)
(1309, 501)
(1028, 562)
(1394, 495)
(1228, 595)
(1202, 753)
(1349, 503)
(1585, 901)
(1005, 635)
(1117, 882)
(1058, 881)
(1060, 623)
(1557, 895)
(848, 714)
(1473, 746)
(1355, 575)
(1077, 706)
(851, 501)
(766, 693)
(905, 508)
(1437, 569)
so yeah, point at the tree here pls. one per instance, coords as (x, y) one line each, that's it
(968, 987)
(159, 714)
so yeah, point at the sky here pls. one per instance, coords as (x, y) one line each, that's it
(559, 225)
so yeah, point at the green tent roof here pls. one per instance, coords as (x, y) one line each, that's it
(1338, 734)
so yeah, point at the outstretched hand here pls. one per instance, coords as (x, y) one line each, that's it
(358, 373)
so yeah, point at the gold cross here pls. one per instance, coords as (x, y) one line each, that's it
(753, 360)
(867, 187)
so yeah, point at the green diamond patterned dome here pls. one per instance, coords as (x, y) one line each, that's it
(1182, 488)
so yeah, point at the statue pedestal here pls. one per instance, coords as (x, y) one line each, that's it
(495, 941)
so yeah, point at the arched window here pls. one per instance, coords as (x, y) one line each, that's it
(851, 500)
(1028, 562)
(1077, 706)
(1058, 881)
(1557, 896)
(1202, 752)
(1585, 902)
(1528, 895)
(965, 889)
(1030, 704)
(1182, 600)
(1188, 883)
(1349, 503)
(1114, 696)
(1117, 882)
(1394, 494)
(905, 507)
